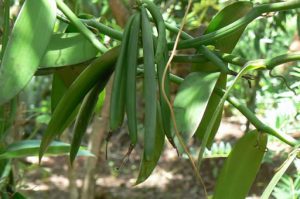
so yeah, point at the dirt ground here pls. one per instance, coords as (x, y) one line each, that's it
(173, 178)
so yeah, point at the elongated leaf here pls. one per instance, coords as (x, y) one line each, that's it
(31, 148)
(85, 114)
(100, 68)
(191, 101)
(27, 44)
(241, 167)
(147, 166)
(68, 49)
(267, 192)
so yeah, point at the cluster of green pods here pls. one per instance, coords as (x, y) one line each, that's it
(138, 35)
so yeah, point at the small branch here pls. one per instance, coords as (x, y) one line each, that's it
(80, 26)
(256, 122)
(246, 112)
(253, 14)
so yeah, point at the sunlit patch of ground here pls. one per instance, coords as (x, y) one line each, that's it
(173, 177)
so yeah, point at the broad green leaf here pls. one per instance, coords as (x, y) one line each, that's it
(147, 166)
(31, 148)
(224, 17)
(68, 49)
(191, 101)
(241, 166)
(27, 44)
(209, 111)
(267, 192)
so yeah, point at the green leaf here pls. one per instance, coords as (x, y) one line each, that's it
(267, 192)
(241, 166)
(147, 166)
(226, 44)
(225, 17)
(209, 111)
(99, 69)
(83, 118)
(191, 101)
(100, 102)
(68, 49)
(31, 148)
(27, 44)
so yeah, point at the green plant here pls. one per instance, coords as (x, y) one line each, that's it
(198, 104)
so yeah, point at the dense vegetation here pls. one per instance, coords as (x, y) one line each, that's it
(65, 64)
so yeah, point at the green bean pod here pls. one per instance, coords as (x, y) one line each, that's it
(240, 168)
(161, 59)
(149, 86)
(133, 50)
(83, 118)
(161, 46)
(147, 166)
(100, 68)
(117, 102)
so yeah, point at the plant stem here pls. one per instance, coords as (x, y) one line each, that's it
(191, 42)
(115, 34)
(256, 122)
(253, 14)
(80, 26)
(246, 112)
(281, 59)
(199, 58)
(229, 58)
